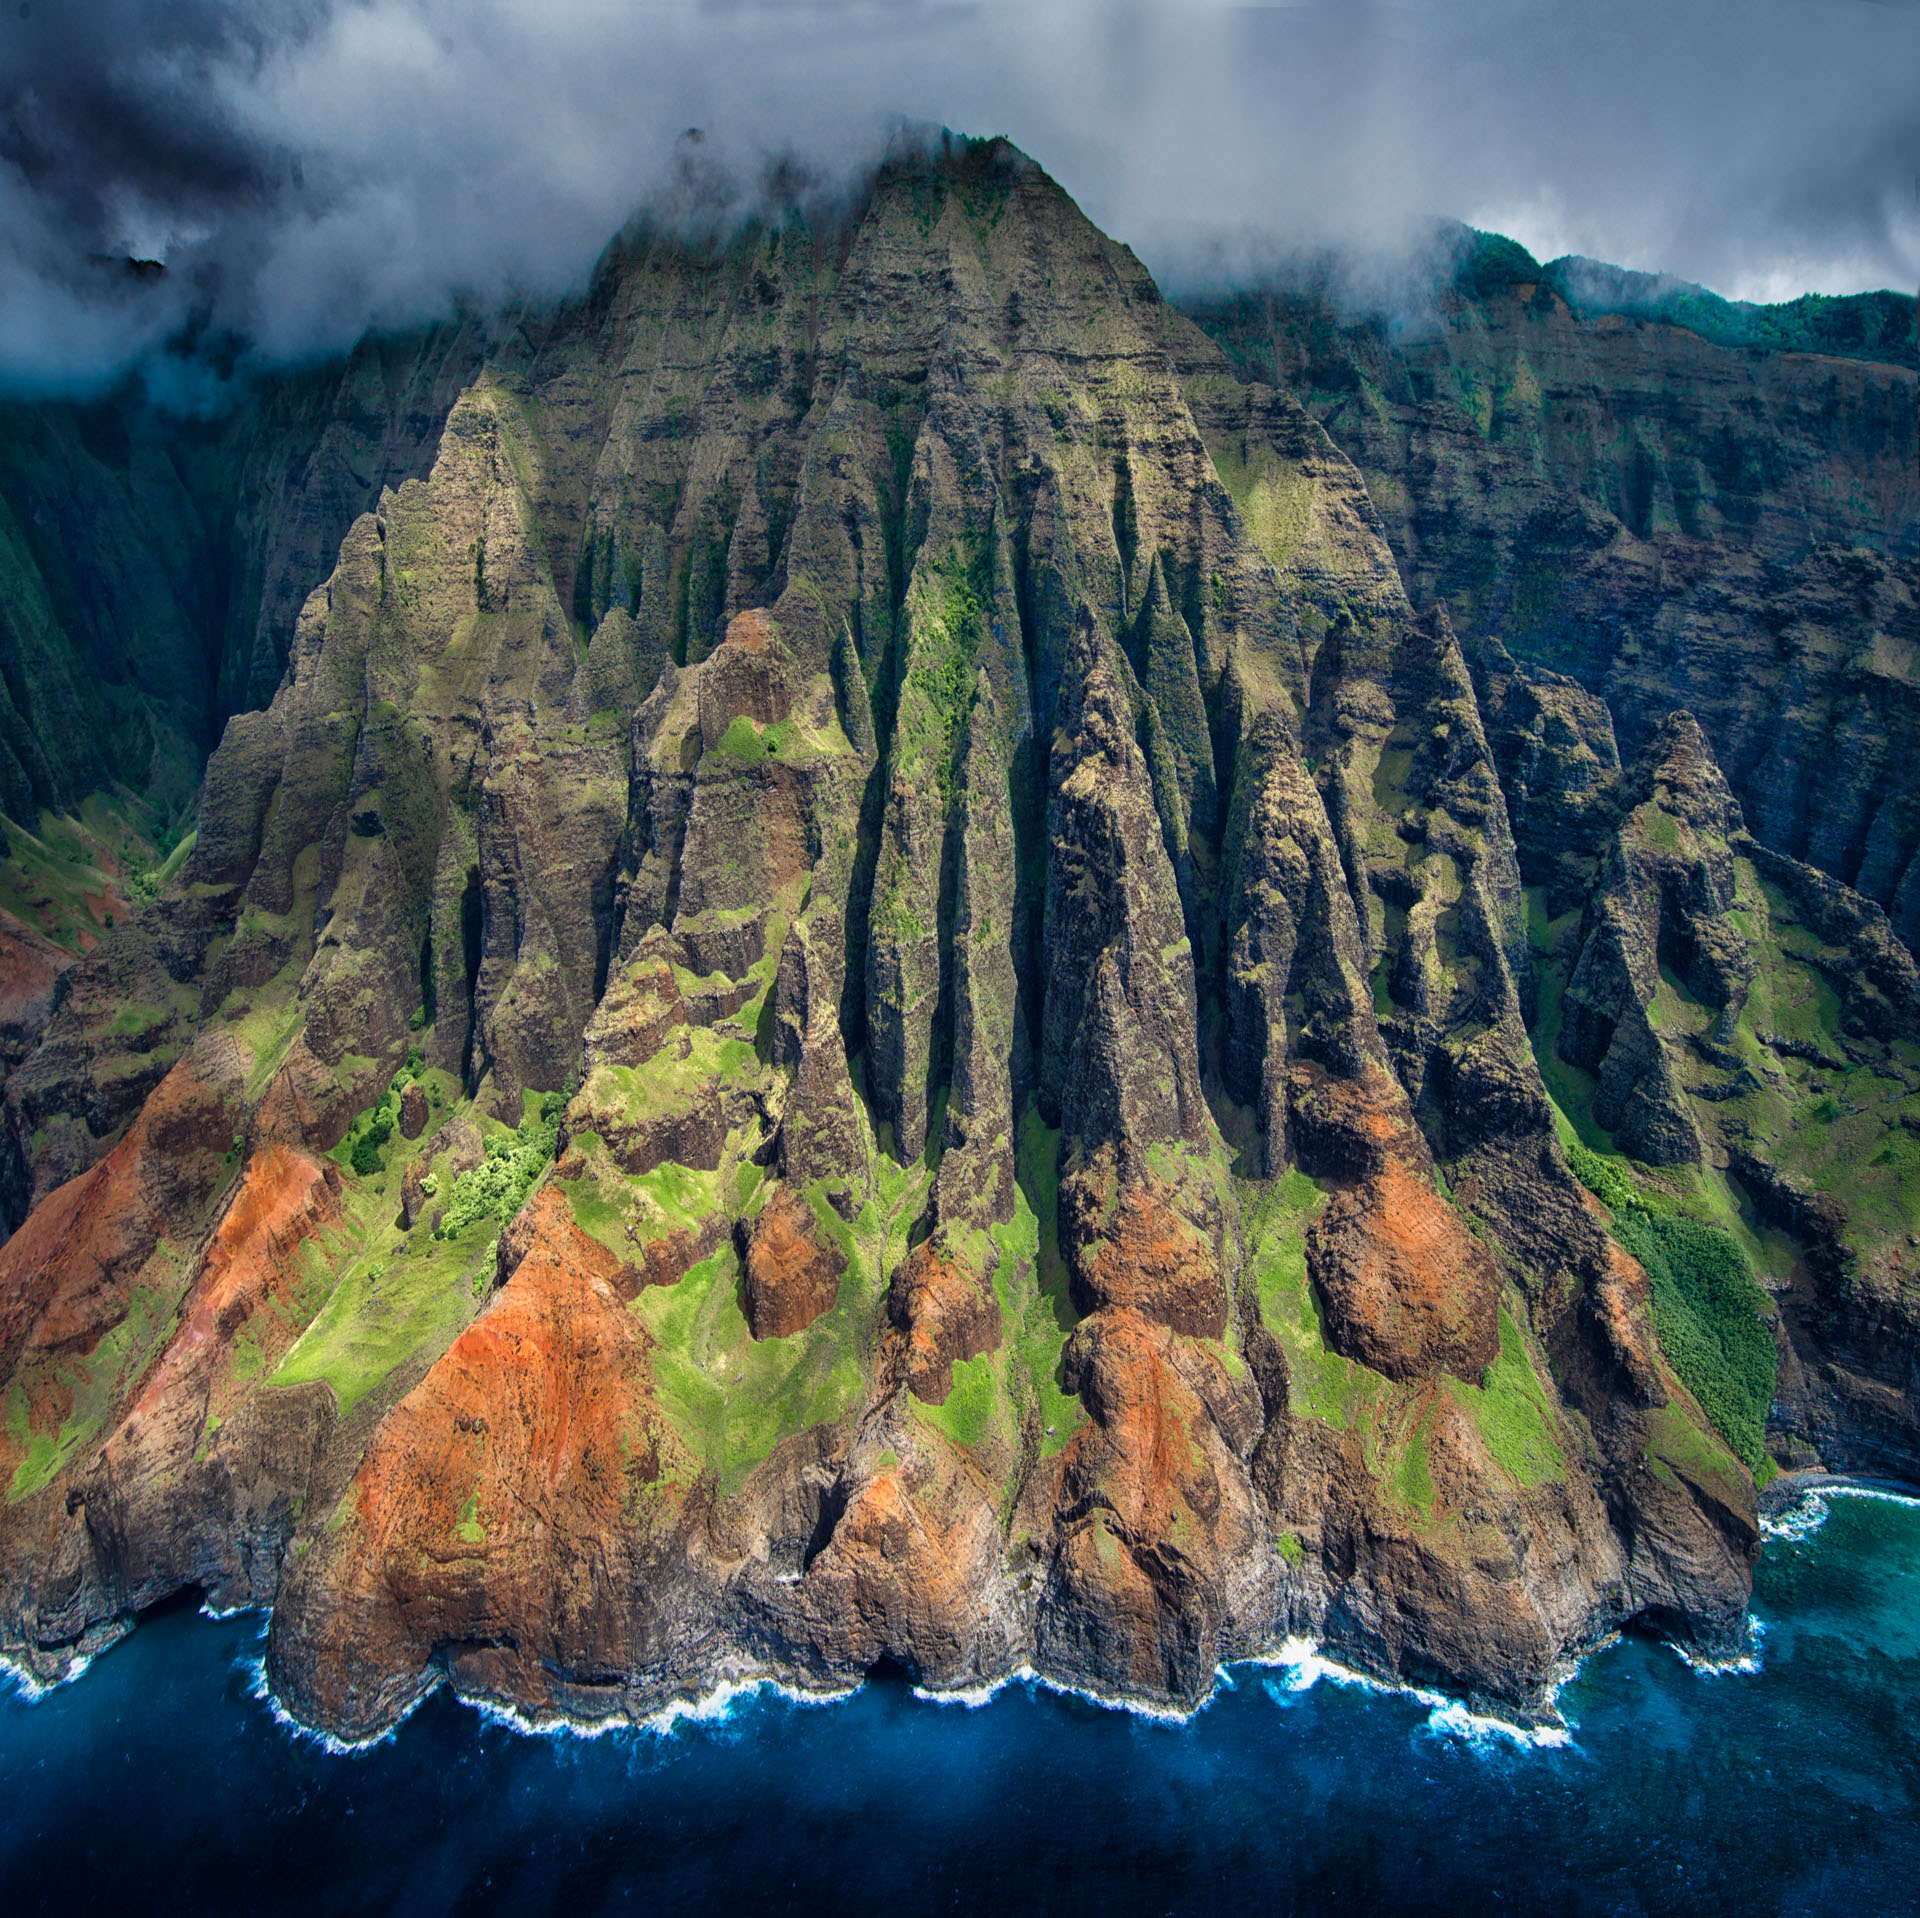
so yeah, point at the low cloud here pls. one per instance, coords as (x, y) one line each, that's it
(309, 169)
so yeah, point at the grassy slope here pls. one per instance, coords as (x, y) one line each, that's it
(391, 1293)
(76, 876)
(1510, 1407)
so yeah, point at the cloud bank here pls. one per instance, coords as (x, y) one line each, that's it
(306, 169)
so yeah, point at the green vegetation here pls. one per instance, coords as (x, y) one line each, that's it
(1677, 1444)
(1605, 1178)
(155, 880)
(497, 1187)
(967, 1415)
(470, 1529)
(1510, 1407)
(381, 1296)
(729, 1397)
(381, 1311)
(1412, 1477)
(1706, 1313)
(137, 1017)
(1030, 1281)
(1322, 1383)
(606, 1200)
(946, 616)
(1829, 1107)
(1512, 1413)
(747, 739)
(733, 1398)
(364, 1155)
(678, 1075)
(76, 873)
(1868, 326)
(1707, 1305)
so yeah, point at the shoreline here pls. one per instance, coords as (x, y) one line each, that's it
(1785, 1486)
(1303, 1660)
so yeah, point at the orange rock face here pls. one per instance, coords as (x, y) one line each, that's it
(284, 1198)
(945, 1314)
(1155, 1262)
(1151, 1505)
(902, 1573)
(64, 1274)
(490, 1514)
(747, 674)
(791, 1277)
(1407, 1288)
(666, 1261)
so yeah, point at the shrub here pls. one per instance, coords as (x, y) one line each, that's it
(1605, 1181)
(1706, 1314)
(498, 1186)
(1707, 1304)
(363, 1149)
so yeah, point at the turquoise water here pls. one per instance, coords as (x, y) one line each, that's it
(162, 1781)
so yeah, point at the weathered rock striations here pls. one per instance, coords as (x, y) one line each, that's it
(872, 994)
(1668, 517)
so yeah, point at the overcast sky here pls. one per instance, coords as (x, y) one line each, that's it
(307, 168)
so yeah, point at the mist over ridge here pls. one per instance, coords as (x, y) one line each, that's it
(308, 170)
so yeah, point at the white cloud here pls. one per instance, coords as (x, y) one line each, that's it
(321, 165)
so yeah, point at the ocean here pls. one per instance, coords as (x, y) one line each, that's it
(164, 1780)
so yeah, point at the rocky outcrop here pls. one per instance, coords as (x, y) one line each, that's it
(791, 1278)
(946, 1313)
(474, 1535)
(1663, 899)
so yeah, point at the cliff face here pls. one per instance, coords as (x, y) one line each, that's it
(1670, 518)
(152, 562)
(872, 993)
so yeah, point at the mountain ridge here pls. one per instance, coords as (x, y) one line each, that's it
(871, 994)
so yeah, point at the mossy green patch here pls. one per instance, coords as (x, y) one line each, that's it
(1824, 1104)
(945, 611)
(1412, 1480)
(678, 1075)
(1322, 1384)
(1706, 1314)
(623, 1211)
(967, 1414)
(389, 1295)
(1695, 1451)
(383, 1310)
(732, 1398)
(1512, 1413)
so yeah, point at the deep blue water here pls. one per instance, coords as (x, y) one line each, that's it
(161, 1782)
